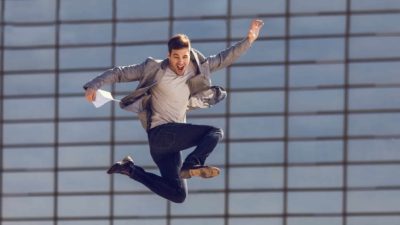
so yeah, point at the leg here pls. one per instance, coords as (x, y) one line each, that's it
(169, 185)
(205, 146)
(166, 142)
(175, 137)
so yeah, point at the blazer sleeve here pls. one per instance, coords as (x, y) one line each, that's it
(118, 74)
(228, 56)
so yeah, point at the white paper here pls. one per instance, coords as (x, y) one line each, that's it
(102, 97)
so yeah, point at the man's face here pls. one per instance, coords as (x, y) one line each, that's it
(179, 60)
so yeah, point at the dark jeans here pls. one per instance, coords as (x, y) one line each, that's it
(166, 143)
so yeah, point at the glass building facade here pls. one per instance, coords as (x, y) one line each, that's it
(312, 119)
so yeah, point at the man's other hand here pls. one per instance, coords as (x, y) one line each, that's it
(254, 29)
(90, 94)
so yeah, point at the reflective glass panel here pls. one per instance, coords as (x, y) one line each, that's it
(194, 204)
(374, 4)
(84, 156)
(254, 221)
(315, 202)
(29, 35)
(374, 124)
(36, 59)
(373, 175)
(316, 75)
(250, 102)
(374, 98)
(39, 11)
(380, 23)
(257, 127)
(28, 133)
(315, 151)
(147, 31)
(315, 177)
(72, 132)
(254, 7)
(203, 221)
(139, 205)
(374, 47)
(28, 158)
(128, 55)
(384, 201)
(39, 182)
(255, 178)
(94, 57)
(15, 109)
(317, 49)
(255, 203)
(87, 206)
(317, 5)
(316, 100)
(372, 220)
(372, 73)
(257, 77)
(85, 33)
(142, 9)
(314, 220)
(374, 150)
(199, 8)
(27, 207)
(195, 29)
(256, 152)
(83, 181)
(85, 10)
(315, 126)
(31, 84)
(317, 25)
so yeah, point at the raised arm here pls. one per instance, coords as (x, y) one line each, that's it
(231, 54)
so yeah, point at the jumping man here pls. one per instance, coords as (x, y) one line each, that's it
(166, 90)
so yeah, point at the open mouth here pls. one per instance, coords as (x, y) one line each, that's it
(180, 68)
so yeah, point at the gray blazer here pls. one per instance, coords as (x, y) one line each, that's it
(149, 72)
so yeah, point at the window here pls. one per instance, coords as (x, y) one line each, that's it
(315, 202)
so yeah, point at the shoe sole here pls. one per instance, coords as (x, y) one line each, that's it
(204, 172)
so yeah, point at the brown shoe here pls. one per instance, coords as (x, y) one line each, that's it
(123, 167)
(199, 171)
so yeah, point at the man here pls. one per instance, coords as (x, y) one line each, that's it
(167, 89)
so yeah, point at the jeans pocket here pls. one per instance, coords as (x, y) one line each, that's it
(162, 140)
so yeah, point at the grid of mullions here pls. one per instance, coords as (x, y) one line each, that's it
(311, 138)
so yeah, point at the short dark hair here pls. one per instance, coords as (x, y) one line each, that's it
(178, 41)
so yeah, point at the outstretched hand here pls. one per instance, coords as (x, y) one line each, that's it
(90, 95)
(254, 29)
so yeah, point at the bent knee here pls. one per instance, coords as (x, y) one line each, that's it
(179, 197)
(217, 132)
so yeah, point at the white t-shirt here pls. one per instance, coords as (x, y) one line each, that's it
(170, 97)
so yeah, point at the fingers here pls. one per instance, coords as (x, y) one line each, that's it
(90, 95)
(257, 24)
(254, 30)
